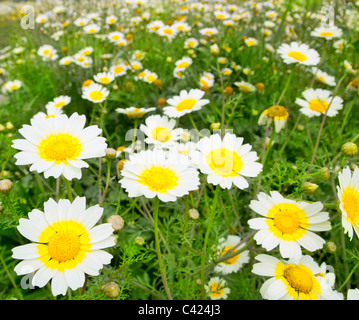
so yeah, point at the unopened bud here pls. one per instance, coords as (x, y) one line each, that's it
(193, 214)
(350, 149)
(110, 153)
(119, 166)
(324, 173)
(117, 222)
(353, 166)
(111, 290)
(309, 188)
(215, 126)
(140, 241)
(331, 247)
(5, 185)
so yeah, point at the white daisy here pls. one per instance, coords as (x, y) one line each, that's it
(319, 101)
(95, 93)
(328, 33)
(65, 246)
(158, 173)
(104, 78)
(323, 77)
(235, 263)
(58, 103)
(288, 224)
(59, 145)
(227, 161)
(183, 63)
(185, 103)
(348, 194)
(134, 113)
(298, 53)
(160, 130)
(216, 288)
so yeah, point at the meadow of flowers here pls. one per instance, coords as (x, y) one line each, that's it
(179, 150)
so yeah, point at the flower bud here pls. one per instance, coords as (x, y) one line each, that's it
(140, 241)
(193, 214)
(161, 102)
(324, 173)
(331, 247)
(5, 186)
(117, 222)
(110, 153)
(111, 290)
(215, 126)
(309, 188)
(214, 49)
(119, 166)
(228, 90)
(350, 149)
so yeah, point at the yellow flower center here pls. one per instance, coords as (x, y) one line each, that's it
(224, 162)
(183, 64)
(161, 134)
(286, 217)
(151, 78)
(59, 148)
(230, 260)
(350, 201)
(92, 31)
(104, 80)
(159, 179)
(277, 112)
(326, 34)
(46, 52)
(298, 278)
(216, 290)
(115, 37)
(59, 104)
(168, 31)
(117, 69)
(96, 95)
(297, 56)
(14, 87)
(191, 44)
(354, 83)
(318, 105)
(251, 43)
(64, 245)
(186, 104)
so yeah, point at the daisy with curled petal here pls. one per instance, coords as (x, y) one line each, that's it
(295, 279)
(348, 194)
(245, 86)
(278, 114)
(58, 103)
(160, 130)
(152, 173)
(95, 93)
(65, 246)
(288, 224)
(298, 53)
(227, 161)
(216, 289)
(235, 263)
(185, 103)
(319, 101)
(59, 145)
(327, 33)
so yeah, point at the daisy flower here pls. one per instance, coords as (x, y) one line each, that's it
(278, 114)
(59, 145)
(65, 246)
(227, 161)
(295, 279)
(111, 19)
(288, 224)
(57, 104)
(216, 288)
(186, 102)
(319, 101)
(250, 42)
(183, 63)
(11, 85)
(95, 93)
(86, 51)
(348, 194)
(235, 263)
(119, 69)
(328, 33)
(65, 61)
(158, 173)
(160, 130)
(191, 43)
(135, 113)
(115, 36)
(92, 28)
(80, 22)
(298, 53)
(323, 77)
(245, 86)
(47, 52)
(168, 32)
(104, 78)
(208, 31)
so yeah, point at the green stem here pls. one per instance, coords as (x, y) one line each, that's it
(346, 115)
(68, 189)
(212, 213)
(192, 122)
(286, 86)
(348, 277)
(158, 249)
(134, 135)
(11, 278)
